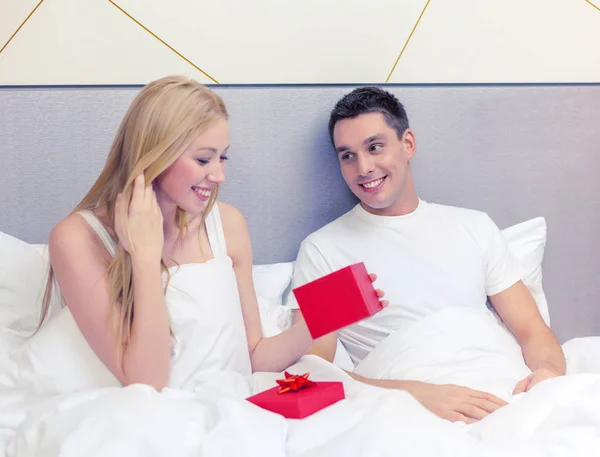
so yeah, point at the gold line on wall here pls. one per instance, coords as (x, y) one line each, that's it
(163, 42)
(597, 7)
(22, 24)
(407, 40)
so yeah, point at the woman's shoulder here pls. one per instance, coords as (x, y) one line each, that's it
(73, 235)
(230, 215)
(235, 229)
(72, 227)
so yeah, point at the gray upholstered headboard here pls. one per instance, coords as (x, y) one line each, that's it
(513, 151)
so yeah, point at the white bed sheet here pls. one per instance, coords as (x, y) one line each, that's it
(214, 420)
(558, 417)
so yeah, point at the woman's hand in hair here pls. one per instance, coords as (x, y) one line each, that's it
(140, 230)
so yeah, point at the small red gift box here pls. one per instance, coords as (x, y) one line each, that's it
(298, 404)
(338, 299)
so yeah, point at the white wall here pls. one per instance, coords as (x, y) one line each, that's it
(309, 41)
(505, 150)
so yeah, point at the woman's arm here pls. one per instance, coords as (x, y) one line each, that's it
(266, 354)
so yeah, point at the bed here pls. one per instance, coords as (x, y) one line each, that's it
(527, 155)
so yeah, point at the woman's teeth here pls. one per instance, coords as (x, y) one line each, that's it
(203, 192)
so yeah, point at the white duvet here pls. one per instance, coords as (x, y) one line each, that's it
(48, 416)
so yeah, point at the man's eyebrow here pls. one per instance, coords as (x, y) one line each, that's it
(377, 137)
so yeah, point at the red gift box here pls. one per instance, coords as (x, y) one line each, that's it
(338, 299)
(301, 403)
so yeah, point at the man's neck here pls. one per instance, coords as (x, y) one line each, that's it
(398, 209)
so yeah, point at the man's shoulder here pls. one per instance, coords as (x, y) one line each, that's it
(332, 230)
(459, 214)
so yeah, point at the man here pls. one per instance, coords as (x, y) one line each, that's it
(428, 257)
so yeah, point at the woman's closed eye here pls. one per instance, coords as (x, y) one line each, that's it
(207, 161)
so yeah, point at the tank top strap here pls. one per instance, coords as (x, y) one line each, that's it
(214, 230)
(100, 230)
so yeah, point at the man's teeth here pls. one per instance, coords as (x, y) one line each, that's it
(372, 184)
(203, 192)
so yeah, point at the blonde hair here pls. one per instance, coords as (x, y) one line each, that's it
(162, 121)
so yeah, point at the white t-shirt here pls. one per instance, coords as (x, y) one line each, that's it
(426, 261)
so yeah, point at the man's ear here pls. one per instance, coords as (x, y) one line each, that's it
(410, 143)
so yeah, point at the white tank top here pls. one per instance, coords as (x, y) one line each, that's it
(205, 310)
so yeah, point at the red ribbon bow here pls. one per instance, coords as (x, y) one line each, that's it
(293, 382)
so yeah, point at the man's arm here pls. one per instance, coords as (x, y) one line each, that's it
(448, 401)
(541, 350)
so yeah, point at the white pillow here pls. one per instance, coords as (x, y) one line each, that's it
(57, 359)
(527, 242)
(23, 274)
(271, 280)
(270, 283)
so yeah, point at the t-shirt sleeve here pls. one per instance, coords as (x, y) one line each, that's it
(310, 265)
(502, 270)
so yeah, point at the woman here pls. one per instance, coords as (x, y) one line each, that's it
(153, 214)
(156, 273)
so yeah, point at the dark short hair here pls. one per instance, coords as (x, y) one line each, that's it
(370, 100)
